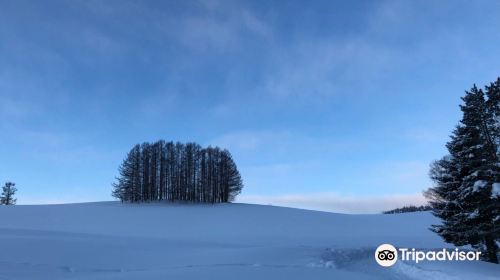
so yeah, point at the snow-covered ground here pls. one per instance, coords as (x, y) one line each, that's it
(109, 240)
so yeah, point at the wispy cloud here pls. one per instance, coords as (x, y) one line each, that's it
(338, 203)
(219, 28)
(305, 100)
(156, 105)
(283, 161)
(425, 135)
(398, 174)
(55, 148)
(280, 141)
(250, 141)
(70, 196)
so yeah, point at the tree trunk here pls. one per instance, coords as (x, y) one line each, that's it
(491, 249)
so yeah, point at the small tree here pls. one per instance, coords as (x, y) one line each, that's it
(8, 192)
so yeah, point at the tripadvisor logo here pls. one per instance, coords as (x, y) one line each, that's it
(387, 255)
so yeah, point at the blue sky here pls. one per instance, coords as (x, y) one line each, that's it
(336, 105)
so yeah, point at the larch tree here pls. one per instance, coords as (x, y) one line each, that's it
(177, 172)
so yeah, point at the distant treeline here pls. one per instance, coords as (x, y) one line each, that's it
(177, 172)
(411, 208)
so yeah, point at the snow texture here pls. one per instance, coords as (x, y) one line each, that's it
(110, 241)
(479, 184)
(495, 190)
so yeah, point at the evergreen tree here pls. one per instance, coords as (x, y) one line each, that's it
(462, 196)
(8, 192)
(493, 126)
(493, 109)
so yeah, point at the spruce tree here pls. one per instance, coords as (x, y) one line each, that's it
(462, 196)
(493, 125)
(493, 107)
(8, 192)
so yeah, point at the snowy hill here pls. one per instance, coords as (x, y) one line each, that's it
(109, 240)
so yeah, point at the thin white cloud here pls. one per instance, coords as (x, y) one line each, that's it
(287, 162)
(279, 141)
(425, 135)
(155, 105)
(56, 147)
(220, 28)
(338, 203)
(56, 199)
(253, 23)
(399, 173)
(250, 141)
(330, 65)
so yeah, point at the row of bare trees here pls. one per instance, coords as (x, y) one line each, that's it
(177, 172)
